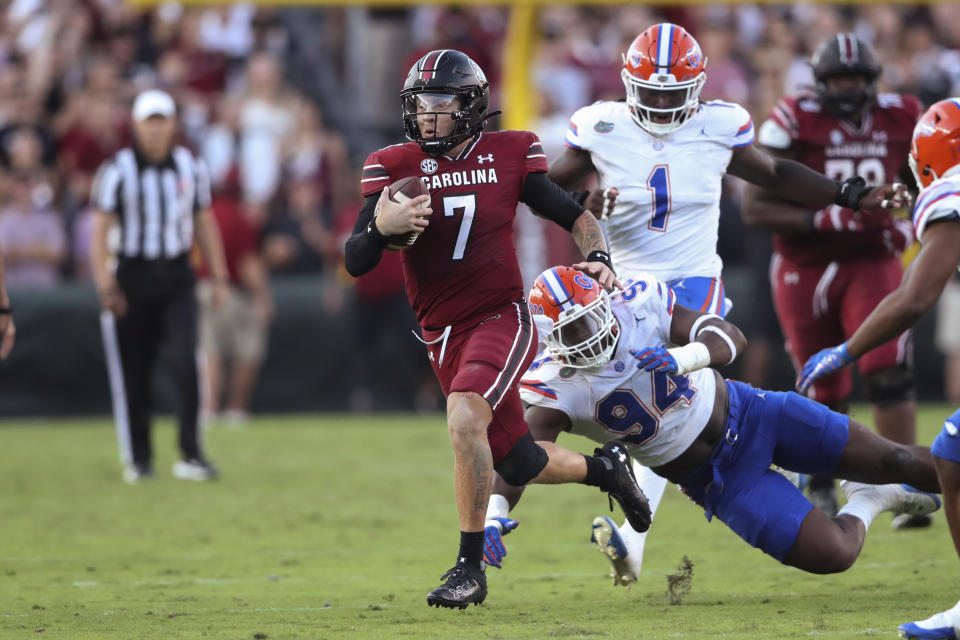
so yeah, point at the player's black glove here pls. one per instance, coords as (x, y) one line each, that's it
(850, 192)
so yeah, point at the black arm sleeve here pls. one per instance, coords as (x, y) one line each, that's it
(545, 196)
(366, 245)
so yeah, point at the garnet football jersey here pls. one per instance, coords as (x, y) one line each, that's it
(465, 263)
(877, 151)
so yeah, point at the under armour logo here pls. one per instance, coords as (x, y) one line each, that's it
(703, 131)
(486, 158)
(430, 354)
(951, 428)
(680, 285)
(791, 277)
(762, 395)
(639, 319)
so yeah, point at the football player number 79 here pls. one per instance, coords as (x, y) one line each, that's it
(463, 204)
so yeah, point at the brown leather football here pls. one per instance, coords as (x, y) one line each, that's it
(400, 191)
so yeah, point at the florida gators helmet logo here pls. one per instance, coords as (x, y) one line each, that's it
(935, 148)
(582, 330)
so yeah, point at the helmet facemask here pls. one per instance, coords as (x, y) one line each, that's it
(923, 176)
(848, 103)
(681, 107)
(432, 107)
(585, 337)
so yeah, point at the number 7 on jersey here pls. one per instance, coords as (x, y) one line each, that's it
(467, 204)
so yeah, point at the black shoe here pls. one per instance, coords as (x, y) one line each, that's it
(824, 498)
(462, 585)
(136, 473)
(911, 521)
(625, 489)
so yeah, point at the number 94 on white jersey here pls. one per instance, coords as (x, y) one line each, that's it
(656, 414)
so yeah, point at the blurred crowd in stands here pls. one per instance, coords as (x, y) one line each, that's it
(284, 104)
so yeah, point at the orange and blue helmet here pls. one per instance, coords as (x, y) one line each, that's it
(936, 142)
(582, 330)
(664, 73)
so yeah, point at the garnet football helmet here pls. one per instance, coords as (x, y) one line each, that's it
(445, 74)
(663, 72)
(936, 142)
(584, 331)
(845, 55)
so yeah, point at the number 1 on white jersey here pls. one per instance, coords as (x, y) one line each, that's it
(659, 185)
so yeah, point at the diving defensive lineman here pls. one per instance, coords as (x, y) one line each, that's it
(463, 280)
(635, 367)
(660, 157)
(935, 161)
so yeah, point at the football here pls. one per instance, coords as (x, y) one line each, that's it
(400, 191)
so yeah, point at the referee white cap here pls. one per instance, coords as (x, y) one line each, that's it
(153, 102)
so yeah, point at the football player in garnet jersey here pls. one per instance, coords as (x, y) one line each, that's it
(463, 281)
(935, 161)
(636, 367)
(660, 157)
(832, 266)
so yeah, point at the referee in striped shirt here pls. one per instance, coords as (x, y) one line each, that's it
(158, 194)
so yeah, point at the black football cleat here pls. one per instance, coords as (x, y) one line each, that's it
(823, 494)
(462, 586)
(625, 489)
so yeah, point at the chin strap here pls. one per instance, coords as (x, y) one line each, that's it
(490, 115)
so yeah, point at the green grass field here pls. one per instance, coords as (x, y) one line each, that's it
(336, 527)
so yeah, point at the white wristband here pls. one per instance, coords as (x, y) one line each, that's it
(691, 357)
(497, 507)
(699, 321)
(723, 334)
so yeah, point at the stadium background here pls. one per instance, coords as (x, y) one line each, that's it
(284, 103)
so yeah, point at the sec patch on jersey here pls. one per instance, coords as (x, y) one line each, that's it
(401, 191)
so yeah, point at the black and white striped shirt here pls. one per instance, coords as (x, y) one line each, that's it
(154, 203)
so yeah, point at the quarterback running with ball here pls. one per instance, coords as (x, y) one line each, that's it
(463, 280)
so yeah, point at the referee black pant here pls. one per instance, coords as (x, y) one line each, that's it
(161, 308)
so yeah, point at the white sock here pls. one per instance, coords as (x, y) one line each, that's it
(864, 502)
(497, 507)
(863, 510)
(651, 484)
(653, 487)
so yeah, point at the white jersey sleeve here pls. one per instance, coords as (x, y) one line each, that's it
(547, 383)
(730, 124)
(653, 298)
(584, 123)
(939, 201)
(772, 135)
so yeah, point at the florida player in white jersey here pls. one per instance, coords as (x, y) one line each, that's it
(634, 367)
(935, 161)
(660, 157)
